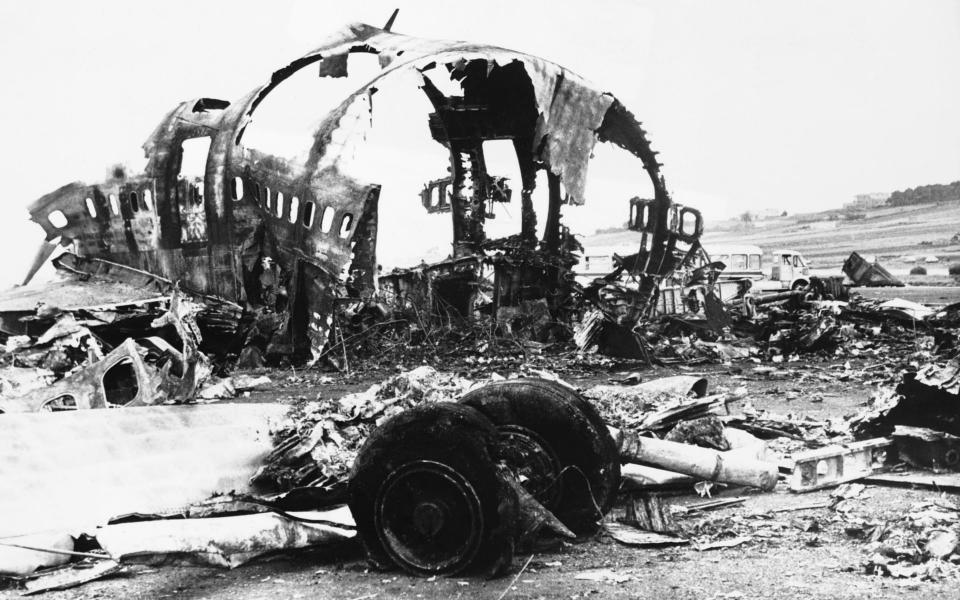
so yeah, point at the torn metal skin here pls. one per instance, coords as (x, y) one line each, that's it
(863, 272)
(137, 372)
(120, 379)
(232, 236)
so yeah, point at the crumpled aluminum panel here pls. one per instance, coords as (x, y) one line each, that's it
(221, 541)
(75, 294)
(74, 471)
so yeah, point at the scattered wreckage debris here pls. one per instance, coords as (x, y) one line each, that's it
(919, 541)
(832, 465)
(867, 274)
(223, 541)
(448, 476)
(316, 443)
(71, 576)
(518, 451)
(927, 448)
(72, 366)
(702, 326)
(928, 398)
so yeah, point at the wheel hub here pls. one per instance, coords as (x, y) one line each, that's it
(429, 518)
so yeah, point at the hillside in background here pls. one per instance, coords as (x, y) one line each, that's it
(926, 194)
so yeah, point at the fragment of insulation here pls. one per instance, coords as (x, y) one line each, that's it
(73, 471)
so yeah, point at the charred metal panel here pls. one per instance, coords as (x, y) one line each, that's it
(137, 201)
(567, 132)
(442, 290)
(364, 269)
(120, 379)
(435, 195)
(864, 273)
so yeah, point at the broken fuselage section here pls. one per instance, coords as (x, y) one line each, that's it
(289, 238)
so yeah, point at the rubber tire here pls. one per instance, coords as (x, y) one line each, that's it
(576, 433)
(457, 436)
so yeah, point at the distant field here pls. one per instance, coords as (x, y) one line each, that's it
(934, 295)
(888, 233)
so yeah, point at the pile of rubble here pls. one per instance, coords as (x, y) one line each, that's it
(88, 359)
(316, 443)
(894, 331)
(922, 540)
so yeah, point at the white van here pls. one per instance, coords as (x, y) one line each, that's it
(781, 270)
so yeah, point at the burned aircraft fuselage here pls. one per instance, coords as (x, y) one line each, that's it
(290, 237)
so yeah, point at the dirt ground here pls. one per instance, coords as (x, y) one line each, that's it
(924, 294)
(788, 554)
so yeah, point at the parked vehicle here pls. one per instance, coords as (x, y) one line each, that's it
(781, 270)
(790, 270)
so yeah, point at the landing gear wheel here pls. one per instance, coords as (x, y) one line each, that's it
(426, 497)
(556, 443)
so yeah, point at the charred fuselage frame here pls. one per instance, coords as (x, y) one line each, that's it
(277, 235)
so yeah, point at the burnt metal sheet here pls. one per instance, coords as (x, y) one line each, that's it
(137, 385)
(73, 471)
(568, 131)
(73, 294)
(929, 397)
(222, 541)
(863, 272)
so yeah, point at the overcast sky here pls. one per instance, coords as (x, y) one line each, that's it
(752, 104)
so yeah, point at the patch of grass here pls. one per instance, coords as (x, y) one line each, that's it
(929, 280)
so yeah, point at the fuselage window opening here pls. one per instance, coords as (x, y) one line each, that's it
(345, 224)
(294, 209)
(326, 219)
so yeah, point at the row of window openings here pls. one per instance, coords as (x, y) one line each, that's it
(274, 205)
(138, 202)
(144, 202)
